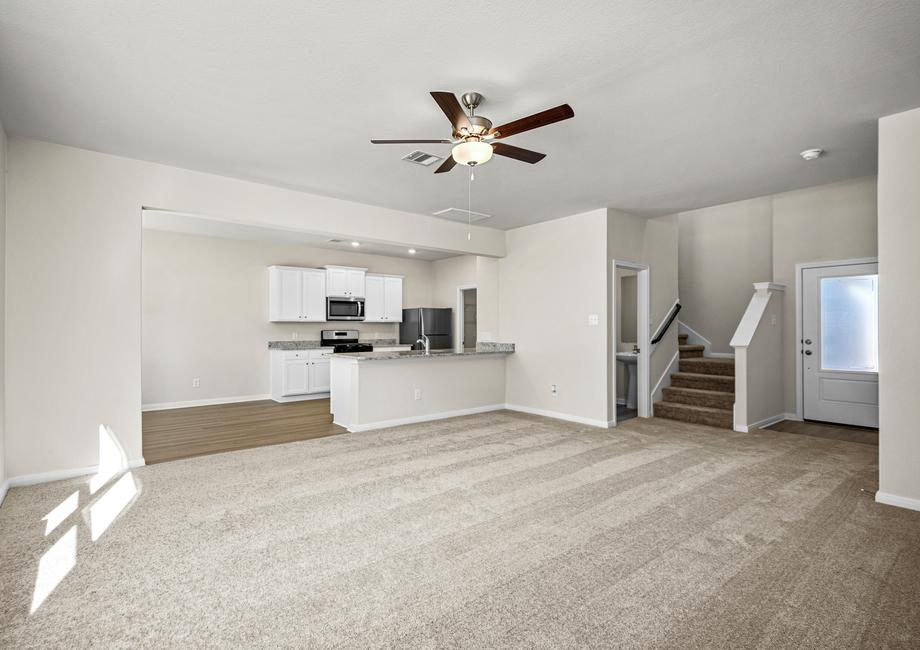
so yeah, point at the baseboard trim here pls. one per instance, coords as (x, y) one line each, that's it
(556, 415)
(773, 419)
(3, 488)
(427, 417)
(165, 406)
(62, 474)
(898, 501)
(664, 381)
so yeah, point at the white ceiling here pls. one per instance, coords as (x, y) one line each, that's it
(677, 104)
(208, 227)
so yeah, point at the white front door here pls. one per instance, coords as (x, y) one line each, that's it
(839, 344)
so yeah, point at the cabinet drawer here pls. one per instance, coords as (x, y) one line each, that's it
(295, 354)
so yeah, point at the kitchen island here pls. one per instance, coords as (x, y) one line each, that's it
(373, 390)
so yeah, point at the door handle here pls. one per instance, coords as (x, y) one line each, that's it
(808, 352)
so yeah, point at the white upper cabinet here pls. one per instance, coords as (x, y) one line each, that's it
(394, 298)
(383, 302)
(296, 294)
(345, 282)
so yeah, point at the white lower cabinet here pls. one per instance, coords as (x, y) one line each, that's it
(299, 374)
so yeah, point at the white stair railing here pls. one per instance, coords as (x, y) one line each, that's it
(758, 344)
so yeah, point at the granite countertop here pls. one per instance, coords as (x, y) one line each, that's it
(307, 344)
(481, 350)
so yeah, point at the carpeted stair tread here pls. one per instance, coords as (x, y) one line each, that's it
(695, 414)
(700, 397)
(708, 366)
(703, 381)
(682, 338)
(691, 351)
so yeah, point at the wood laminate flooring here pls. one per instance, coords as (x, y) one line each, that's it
(828, 430)
(201, 430)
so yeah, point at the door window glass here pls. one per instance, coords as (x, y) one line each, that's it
(849, 323)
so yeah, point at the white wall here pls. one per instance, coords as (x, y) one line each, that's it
(205, 311)
(487, 297)
(899, 308)
(736, 236)
(553, 277)
(758, 344)
(449, 274)
(2, 311)
(73, 340)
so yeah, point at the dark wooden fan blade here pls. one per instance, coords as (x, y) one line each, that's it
(446, 166)
(452, 109)
(410, 141)
(535, 121)
(524, 155)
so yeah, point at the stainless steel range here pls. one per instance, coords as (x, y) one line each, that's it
(344, 341)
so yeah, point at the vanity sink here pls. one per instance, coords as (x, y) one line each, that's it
(631, 360)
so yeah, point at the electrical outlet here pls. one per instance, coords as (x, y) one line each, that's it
(293, 336)
(554, 390)
(418, 393)
(196, 383)
(592, 319)
(773, 319)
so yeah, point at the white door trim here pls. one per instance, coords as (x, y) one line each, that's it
(458, 344)
(799, 268)
(643, 284)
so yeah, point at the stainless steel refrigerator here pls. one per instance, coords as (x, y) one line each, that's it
(437, 324)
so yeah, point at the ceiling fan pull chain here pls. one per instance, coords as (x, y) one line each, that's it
(469, 207)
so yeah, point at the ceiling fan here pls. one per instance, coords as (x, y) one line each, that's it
(473, 136)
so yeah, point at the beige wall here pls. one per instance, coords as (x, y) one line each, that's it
(830, 222)
(899, 306)
(73, 335)
(553, 277)
(2, 309)
(487, 295)
(449, 274)
(723, 251)
(205, 311)
(654, 243)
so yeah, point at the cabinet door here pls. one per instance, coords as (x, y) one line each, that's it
(375, 299)
(393, 292)
(337, 282)
(314, 295)
(319, 376)
(286, 295)
(354, 283)
(295, 379)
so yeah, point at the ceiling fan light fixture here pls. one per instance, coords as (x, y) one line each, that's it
(472, 152)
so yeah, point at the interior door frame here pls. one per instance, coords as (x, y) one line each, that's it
(643, 336)
(799, 322)
(461, 334)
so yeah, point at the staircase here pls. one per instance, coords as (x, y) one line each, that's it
(702, 392)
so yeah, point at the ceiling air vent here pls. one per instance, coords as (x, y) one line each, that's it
(421, 158)
(456, 214)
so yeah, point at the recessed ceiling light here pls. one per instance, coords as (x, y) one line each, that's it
(411, 251)
(356, 243)
(811, 154)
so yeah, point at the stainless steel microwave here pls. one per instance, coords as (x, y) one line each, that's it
(344, 308)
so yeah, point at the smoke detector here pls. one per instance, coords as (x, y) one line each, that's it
(811, 154)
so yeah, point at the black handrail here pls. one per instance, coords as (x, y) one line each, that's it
(664, 329)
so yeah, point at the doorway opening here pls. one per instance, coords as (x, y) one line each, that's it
(630, 342)
(466, 317)
(837, 334)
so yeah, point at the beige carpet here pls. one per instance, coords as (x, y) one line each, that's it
(498, 530)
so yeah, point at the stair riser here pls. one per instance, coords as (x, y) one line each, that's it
(721, 420)
(691, 354)
(712, 382)
(726, 402)
(707, 367)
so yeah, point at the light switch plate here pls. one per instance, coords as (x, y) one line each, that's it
(592, 319)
